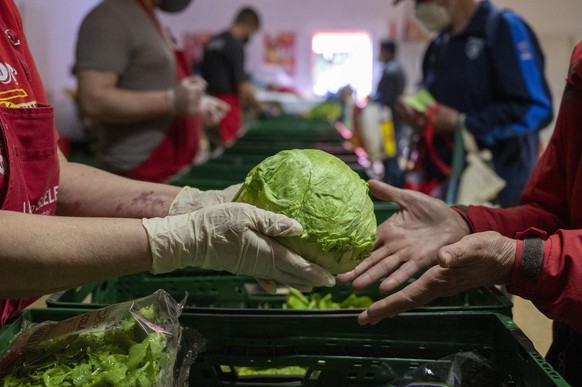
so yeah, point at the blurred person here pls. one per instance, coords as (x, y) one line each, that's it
(138, 90)
(485, 68)
(535, 248)
(389, 89)
(223, 68)
(64, 224)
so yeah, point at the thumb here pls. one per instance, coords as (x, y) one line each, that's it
(452, 255)
(269, 286)
(276, 225)
(386, 192)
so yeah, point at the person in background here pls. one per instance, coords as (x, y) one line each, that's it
(535, 248)
(223, 68)
(137, 88)
(108, 225)
(390, 88)
(485, 68)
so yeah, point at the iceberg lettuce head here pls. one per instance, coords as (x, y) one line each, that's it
(326, 196)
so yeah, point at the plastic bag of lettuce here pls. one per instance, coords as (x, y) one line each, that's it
(134, 343)
(325, 196)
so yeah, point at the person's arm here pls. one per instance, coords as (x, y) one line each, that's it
(100, 99)
(522, 102)
(247, 95)
(88, 191)
(104, 51)
(42, 254)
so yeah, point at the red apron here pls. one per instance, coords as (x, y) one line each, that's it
(31, 168)
(229, 127)
(180, 146)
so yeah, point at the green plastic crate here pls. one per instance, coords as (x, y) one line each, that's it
(335, 350)
(223, 291)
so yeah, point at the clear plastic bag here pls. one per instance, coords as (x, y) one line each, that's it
(135, 343)
(466, 369)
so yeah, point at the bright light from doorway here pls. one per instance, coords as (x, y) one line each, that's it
(342, 59)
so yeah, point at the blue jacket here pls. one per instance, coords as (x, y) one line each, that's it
(494, 72)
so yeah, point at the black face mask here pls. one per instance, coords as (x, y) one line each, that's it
(173, 5)
(245, 40)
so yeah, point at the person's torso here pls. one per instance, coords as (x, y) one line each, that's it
(218, 67)
(29, 167)
(391, 85)
(149, 65)
(570, 124)
(457, 68)
(458, 71)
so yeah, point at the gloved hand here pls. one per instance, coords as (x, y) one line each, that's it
(234, 237)
(185, 98)
(191, 199)
(213, 110)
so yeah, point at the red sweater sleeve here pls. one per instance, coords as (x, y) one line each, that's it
(552, 203)
(556, 292)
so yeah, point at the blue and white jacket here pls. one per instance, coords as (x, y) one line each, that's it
(493, 71)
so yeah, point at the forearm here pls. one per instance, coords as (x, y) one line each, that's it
(117, 106)
(42, 254)
(510, 118)
(248, 96)
(100, 99)
(87, 191)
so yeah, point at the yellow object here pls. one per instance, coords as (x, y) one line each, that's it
(389, 140)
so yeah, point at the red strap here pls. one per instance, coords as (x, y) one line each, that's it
(429, 139)
(152, 16)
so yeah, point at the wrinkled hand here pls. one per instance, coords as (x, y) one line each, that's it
(476, 260)
(186, 96)
(191, 199)
(213, 110)
(409, 240)
(234, 237)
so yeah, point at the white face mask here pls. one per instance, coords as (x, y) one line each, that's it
(433, 16)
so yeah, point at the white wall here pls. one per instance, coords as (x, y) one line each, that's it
(51, 28)
(303, 17)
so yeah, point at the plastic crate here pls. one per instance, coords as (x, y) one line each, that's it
(335, 350)
(227, 292)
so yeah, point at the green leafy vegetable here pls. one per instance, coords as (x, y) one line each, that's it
(126, 355)
(297, 300)
(326, 196)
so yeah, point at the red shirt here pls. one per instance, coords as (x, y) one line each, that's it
(552, 203)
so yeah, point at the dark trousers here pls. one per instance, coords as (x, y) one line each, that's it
(565, 353)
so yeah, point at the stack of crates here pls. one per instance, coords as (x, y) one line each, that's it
(244, 327)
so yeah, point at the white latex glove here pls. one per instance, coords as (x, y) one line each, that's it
(185, 98)
(213, 110)
(234, 237)
(191, 199)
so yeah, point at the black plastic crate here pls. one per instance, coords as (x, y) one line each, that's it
(227, 292)
(335, 350)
